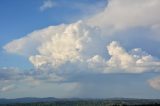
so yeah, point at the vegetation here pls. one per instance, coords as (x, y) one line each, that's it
(90, 103)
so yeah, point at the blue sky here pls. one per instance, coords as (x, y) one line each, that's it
(75, 48)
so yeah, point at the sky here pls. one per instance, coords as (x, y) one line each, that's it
(75, 48)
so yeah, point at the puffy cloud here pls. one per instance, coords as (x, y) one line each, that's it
(135, 61)
(63, 46)
(79, 43)
(124, 14)
(47, 4)
(80, 46)
(155, 83)
(57, 45)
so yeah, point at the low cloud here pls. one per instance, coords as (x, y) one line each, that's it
(11, 78)
(155, 83)
(7, 88)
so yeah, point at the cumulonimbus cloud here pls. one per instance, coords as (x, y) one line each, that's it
(56, 45)
(77, 43)
(82, 45)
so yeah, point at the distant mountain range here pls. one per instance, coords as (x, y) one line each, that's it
(52, 99)
(27, 100)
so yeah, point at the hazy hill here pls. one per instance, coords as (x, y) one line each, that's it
(79, 102)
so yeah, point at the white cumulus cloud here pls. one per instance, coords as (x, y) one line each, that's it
(135, 61)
